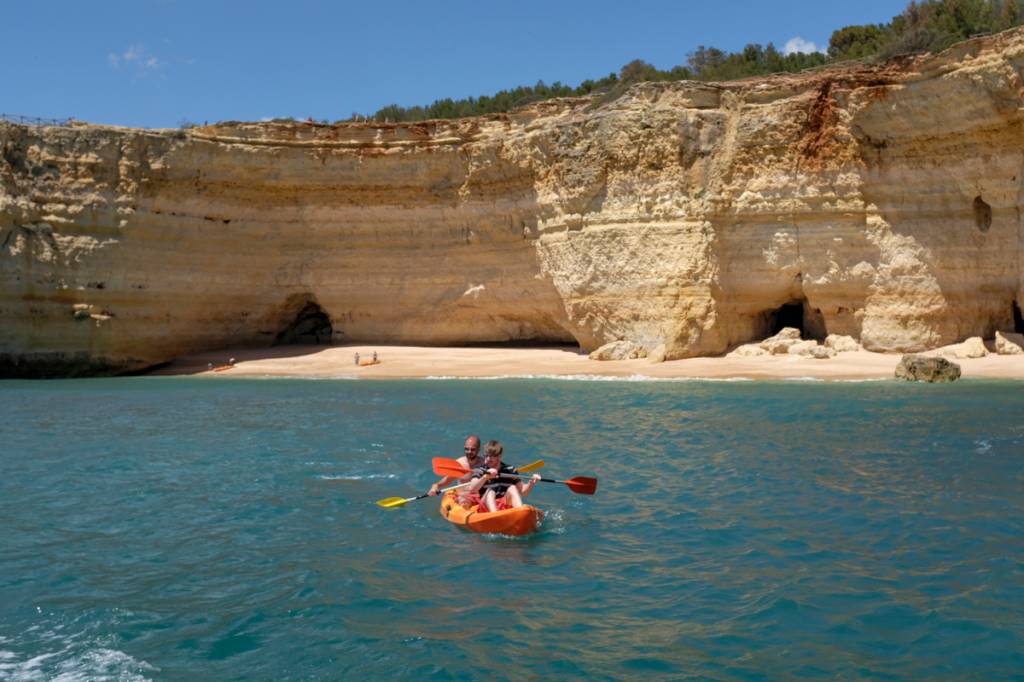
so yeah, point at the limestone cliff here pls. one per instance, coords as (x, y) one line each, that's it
(882, 201)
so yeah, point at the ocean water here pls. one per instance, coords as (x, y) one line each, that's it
(194, 529)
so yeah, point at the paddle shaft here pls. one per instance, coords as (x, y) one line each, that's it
(582, 485)
(450, 468)
(441, 492)
(398, 502)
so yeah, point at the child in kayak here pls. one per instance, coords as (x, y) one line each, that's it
(493, 486)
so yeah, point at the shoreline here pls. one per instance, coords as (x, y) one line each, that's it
(422, 362)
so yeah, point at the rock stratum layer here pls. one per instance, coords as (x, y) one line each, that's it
(884, 200)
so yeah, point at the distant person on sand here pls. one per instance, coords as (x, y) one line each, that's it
(375, 356)
(495, 483)
(357, 359)
(471, 459)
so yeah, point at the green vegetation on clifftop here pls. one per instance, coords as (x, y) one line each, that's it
(927, 26)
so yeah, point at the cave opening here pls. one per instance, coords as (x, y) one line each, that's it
(310, 326)
(798, 314)
(982, 214)
(1018, 319)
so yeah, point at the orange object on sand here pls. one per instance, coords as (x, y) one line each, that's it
(222, 368)
(519, 521)
(367, 363)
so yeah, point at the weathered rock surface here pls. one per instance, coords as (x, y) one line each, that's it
(781, 342)
(973, 347)
(619, 350)
(884, 200)
(922, 368)
(811, 349)
(805, 348)
(657, 355)
(841, 344)
(748, 350)
(1008, 343)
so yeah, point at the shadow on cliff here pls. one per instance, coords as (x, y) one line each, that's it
(220, 360)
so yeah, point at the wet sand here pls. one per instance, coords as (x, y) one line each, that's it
(402, 362)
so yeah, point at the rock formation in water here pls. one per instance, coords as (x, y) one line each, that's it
(880, 202)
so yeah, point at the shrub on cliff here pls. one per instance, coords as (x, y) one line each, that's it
(927, 26)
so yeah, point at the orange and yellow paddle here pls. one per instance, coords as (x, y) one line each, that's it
(582, 485)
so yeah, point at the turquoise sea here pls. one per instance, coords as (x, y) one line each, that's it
(197, 529)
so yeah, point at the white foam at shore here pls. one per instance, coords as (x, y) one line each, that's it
(584, 377)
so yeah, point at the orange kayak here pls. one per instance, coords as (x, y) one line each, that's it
(520, 521)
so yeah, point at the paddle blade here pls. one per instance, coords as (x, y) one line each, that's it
(390, 502)
(533, 466)
(582, 485)
(448, 467)
(451, 472)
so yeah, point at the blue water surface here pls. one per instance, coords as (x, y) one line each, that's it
(196, 529)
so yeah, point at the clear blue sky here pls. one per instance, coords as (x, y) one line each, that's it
(154, 63)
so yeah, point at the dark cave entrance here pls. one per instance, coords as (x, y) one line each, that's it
(800, 315)
(310, 326)
(1018, 319)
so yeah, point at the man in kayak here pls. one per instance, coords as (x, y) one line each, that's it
(471, 460)
(494, 484)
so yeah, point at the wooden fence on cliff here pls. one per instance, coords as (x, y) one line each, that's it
(35, 120)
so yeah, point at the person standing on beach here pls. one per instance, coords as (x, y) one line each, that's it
(357, 359)
(471, 459)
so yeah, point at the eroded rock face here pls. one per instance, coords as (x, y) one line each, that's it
(922, 368)
(884, 199)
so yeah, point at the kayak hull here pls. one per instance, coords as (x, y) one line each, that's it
(519, 521)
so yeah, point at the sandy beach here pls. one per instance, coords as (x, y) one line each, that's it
(402, 362)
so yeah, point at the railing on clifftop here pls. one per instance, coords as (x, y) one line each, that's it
(35, 120)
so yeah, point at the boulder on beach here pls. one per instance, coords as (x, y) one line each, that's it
(803, 348)
(973, 347)
(924, 368)
(619, 350)
(780, 343)
(811, 349)
(1008, 343)
(841, 344)
(748, 350)
(821, 353)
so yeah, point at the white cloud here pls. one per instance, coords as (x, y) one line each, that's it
(798, 44)
(136, 57)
